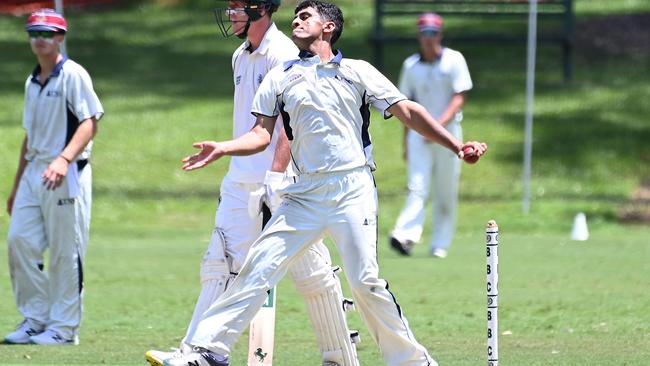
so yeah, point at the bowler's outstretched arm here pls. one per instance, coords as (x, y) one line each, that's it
(252, 142)
(416, 117)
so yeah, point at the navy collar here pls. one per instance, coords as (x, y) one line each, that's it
(422, 60)
(55, 72)
(306, 55)
(338, 56)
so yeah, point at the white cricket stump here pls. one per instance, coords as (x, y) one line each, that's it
(492, 251)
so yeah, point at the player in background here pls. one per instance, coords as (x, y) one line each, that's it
(437, 77)
(51, 198)
(247, 189)
(324, 101)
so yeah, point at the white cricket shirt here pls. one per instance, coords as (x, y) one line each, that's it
(434, 84)
(325, 106)
(249, 69)
(53, 111)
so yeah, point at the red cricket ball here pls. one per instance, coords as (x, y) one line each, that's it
(469, 156)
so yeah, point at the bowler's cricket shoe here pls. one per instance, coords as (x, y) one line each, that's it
(53, 338)
(22, 333)
(197, 357)
(403, 248)
(157, 358)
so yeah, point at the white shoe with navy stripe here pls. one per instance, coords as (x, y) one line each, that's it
(53, 338)
(23, 332)
(197, 357)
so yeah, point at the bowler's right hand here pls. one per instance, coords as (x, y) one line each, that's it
(210, 151)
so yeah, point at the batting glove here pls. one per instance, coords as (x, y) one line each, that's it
(255, 200)
(273, 181)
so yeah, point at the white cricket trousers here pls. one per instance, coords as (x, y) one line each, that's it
(342, 205)
(430, 167)
(43, 219)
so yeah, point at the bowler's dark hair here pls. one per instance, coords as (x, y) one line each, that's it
(328, 12)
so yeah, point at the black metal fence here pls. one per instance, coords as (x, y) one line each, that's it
(494, 21)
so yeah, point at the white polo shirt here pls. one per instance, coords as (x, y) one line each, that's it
(53, 111)
(249, 69)
(326, 109)
(433, 84)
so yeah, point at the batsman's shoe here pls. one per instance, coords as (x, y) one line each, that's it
(197, 357)
(53, 338)
(22, 333)
(403, 248)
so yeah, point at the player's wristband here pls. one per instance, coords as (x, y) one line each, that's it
(64, 158)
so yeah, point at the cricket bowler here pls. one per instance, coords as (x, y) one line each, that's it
(324, 101)
(247, 195)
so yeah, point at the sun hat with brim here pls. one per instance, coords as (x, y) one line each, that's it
(46, 20)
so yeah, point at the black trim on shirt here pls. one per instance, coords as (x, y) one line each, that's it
(285, 120)
(365, 125)
(72, 125)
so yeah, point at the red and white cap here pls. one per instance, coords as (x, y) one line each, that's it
(429, 23)
(46, 20)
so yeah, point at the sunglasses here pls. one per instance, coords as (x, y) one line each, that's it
(42, 34)
(429, 33)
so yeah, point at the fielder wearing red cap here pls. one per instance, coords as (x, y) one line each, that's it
(429, 23)
(51, 196)
(437, 77)
(46, 20)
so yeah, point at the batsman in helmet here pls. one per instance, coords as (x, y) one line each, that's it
(247, 200)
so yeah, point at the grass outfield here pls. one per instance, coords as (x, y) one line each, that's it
(565, 303)
(165, 82)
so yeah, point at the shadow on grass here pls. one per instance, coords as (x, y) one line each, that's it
(127, 55)
(176, 55)
(609, 128)
(156, 193)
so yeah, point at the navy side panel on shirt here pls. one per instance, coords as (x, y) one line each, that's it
(365, 125)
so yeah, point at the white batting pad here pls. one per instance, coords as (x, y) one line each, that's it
(215, 276)
(321, 289)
